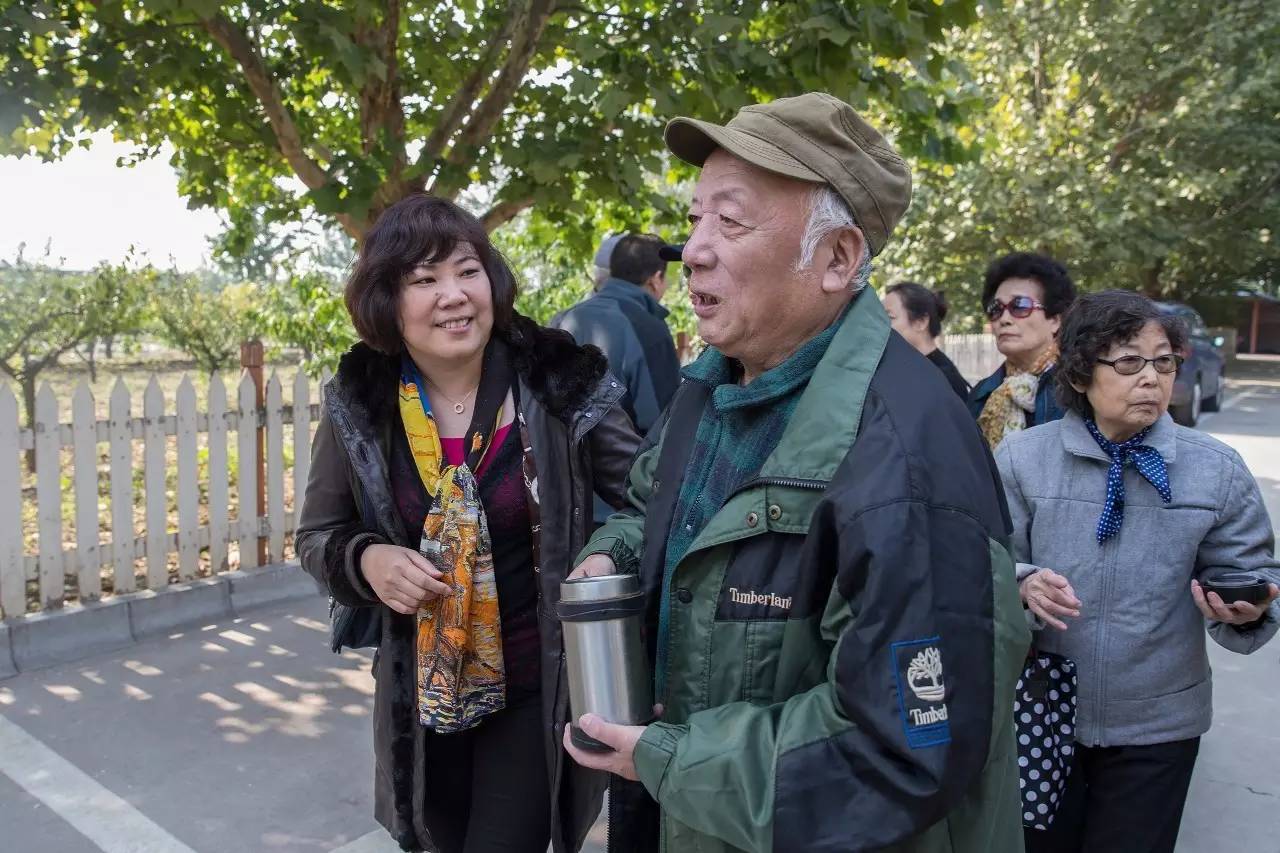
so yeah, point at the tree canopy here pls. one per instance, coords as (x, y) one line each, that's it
(276, 109)
(47, 313)
(1137, 142)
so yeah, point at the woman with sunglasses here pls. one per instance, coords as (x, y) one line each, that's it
(1118, 517)
(1024, 297)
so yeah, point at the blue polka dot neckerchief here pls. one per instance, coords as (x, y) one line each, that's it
(1147, 460)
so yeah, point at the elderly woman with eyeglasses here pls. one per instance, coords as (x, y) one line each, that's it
(1119, 517)
(1024, 296)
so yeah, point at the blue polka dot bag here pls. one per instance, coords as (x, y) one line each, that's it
(1044, 714)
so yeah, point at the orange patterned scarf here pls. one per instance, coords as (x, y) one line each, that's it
(460, 670)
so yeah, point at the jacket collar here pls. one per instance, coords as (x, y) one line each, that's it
(1077, 441)
(826, 419)
(566, 379)
(616, 288)
(992, 382)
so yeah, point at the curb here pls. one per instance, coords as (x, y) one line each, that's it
(7, 667)
(154, 613)
(78, 632)
(72, 633)
(268, 585)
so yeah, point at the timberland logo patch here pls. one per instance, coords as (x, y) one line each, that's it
(922, 691)
(924, 676)
(750, 596)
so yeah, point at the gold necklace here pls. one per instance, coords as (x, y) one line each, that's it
(459, 406)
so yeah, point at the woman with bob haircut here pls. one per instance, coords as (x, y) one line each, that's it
(1024, 296)
(451, 485)
(916, 313)
(1119, 516)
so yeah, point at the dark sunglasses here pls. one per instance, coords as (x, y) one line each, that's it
(1128, 365)
(1019, 306)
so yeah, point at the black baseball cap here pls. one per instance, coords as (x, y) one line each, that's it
(671, 252)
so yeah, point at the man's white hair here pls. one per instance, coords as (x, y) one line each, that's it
(827, 213)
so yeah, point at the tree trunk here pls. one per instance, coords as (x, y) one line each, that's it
(28, 383)
(93, 360)
(1149, 278)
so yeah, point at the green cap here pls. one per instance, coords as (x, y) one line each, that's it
(813, 137)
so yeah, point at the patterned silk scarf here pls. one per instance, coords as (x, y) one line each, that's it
(460, 676)
(1005, 410)
(1147, 460)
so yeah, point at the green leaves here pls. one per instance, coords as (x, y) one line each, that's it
(256, 96)
(203, 319)
(46, 312)
(1118, 137)
(305, 311)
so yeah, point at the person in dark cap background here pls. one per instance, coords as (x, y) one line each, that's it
(833, 619)
(672, 252)
(626, 320)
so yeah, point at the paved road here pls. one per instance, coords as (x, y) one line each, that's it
(1234, 802)
(250, 736)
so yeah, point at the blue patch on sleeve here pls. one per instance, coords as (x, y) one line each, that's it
(922, 691)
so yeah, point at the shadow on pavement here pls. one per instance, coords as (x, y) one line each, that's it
(246, 735)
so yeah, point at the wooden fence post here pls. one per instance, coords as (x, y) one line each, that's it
(219, 498)
(120, 437)
(153, 476)
(49, 498)
(251, 359)
(84, 422)
(13, 577)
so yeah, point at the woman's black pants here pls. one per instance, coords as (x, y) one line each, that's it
(487, 789)
(1120, 799)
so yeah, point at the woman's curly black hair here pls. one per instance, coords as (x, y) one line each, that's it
(1059, 289)
(1093, 325)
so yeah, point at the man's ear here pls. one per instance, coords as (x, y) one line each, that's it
(847, 249)
(656, 284)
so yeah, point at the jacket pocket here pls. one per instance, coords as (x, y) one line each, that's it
(762, 650)
(1183, 713)
(1153, 570)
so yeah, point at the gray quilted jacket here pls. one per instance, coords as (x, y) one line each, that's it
(1139, 642)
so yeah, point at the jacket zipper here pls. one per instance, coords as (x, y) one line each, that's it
(788, 482)
(609, 818)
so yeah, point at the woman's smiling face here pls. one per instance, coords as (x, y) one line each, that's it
(446, 307)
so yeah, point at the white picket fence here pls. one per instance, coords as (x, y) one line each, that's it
(119, 548)
(975, 356)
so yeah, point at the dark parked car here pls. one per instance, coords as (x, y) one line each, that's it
(1199, 385)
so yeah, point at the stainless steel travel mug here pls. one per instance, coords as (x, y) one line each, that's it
(604, 655)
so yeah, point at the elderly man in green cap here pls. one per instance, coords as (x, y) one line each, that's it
(834, 621)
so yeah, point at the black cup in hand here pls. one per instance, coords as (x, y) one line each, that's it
(1237, 587)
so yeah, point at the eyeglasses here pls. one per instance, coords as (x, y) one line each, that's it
(1128, 365)
(1019, 306)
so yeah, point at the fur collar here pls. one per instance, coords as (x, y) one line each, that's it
(561, 374)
